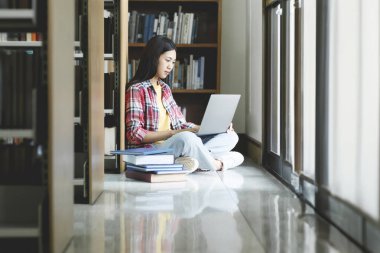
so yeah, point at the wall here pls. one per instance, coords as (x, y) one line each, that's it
(255, 68)
(233, 64)
(241, 68)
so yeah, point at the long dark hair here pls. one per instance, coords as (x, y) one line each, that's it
(149, 59)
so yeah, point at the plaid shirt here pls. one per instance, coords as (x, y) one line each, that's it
(142, 112)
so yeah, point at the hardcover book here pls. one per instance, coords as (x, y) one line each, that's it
(149, 159)
(156, 167)
(155, 178)
(143, 151)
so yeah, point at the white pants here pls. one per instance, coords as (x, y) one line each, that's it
(203, 148)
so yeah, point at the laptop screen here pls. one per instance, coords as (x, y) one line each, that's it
(219, 113)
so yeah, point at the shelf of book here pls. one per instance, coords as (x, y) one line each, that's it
(36, 160)
(21, 15)
(115, 23)
(25, 44)
(89, 94)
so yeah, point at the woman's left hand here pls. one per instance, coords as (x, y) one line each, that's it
(230, 129)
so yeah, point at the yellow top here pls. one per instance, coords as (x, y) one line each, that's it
(163, 118)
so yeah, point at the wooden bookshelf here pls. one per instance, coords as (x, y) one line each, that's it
(89, 112)
(36, 149)
(22, 16)
(123, 48)
(115, 37)
(205, 42)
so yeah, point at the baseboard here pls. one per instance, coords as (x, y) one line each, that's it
(249, 147)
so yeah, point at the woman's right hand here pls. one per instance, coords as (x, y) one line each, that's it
(193, 130)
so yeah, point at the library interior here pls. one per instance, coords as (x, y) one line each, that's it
(304, 175)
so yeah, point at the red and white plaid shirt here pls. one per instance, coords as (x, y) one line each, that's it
(142, 112)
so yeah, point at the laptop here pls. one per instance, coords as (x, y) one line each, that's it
(219, 114)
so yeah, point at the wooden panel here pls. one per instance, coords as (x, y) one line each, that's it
(219, 59)
(96, 97)
(61, 115)
(123, 72)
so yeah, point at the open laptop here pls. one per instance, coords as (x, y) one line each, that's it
(219, 114)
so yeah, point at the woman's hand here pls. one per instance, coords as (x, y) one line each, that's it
(195, 128)
(230, 129)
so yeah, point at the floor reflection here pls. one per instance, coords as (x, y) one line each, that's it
(240, 210)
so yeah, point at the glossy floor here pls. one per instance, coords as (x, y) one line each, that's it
(240, 210)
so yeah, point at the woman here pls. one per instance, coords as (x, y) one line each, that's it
(154, 119)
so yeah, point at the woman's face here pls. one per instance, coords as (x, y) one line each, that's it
(166, 63)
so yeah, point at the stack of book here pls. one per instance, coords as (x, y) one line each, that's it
(152, 165)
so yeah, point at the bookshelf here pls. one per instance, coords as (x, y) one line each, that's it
(202, 21)
(89, 101)
(24, 15)
(115, 21)
(36, 159)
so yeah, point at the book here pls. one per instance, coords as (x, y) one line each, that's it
(155, 178)
(173, 166)
(149, 159)
(143, 151)
(165, 172)
(156, 167)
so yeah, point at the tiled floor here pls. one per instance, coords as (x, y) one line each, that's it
(241, 210)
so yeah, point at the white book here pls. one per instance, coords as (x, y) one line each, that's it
(162, 25)
(106, 14)
(191, 72)
(202, 74)
(184, 28)
(195, 74)
(179, 25)
(179, 28)
(149, 159)
(28, 36)
(169, 32)
(4, 36)
(155, 25)
(109, 140)
(132, 27)
(175, 23)
(190, 27)
(176, 72)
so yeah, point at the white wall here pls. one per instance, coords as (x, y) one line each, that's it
(241, 68)
(255, 62)
(233, 62)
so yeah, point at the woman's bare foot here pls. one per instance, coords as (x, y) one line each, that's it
(218, 164)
